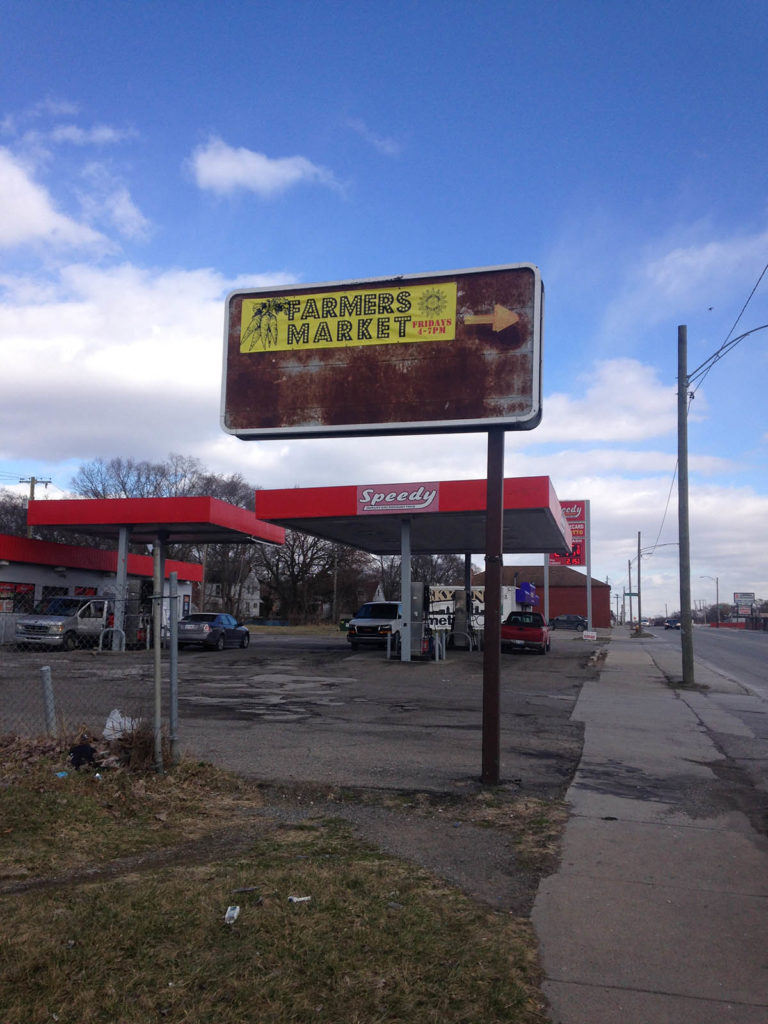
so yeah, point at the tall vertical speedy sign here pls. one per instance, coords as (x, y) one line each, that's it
(453, 351)
(575, 514)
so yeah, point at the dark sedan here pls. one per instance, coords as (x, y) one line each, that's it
(569, 622)
(215, 630)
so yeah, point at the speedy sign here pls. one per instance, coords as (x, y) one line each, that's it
(451, 351)
(388, 498)
(575, 514)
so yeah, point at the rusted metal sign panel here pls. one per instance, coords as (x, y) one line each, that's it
(454, 351)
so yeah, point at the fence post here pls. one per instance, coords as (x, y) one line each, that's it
(173, 713)
(50, 709)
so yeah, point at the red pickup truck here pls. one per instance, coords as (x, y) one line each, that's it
(525, 629)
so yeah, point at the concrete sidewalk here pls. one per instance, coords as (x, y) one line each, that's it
(658, 913)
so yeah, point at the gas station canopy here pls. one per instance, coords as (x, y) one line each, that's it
(445, 518)
(195, 520)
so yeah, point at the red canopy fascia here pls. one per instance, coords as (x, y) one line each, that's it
(189, 520)
(73, 556)
(533, 519)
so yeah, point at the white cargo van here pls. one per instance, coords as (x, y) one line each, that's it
(374, 623)
(67, 622)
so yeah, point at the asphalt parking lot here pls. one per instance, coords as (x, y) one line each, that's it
(294, 709)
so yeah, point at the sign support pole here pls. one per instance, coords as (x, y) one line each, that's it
(588, 553)
(494, 525)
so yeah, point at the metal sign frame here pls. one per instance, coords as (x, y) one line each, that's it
(441, 352)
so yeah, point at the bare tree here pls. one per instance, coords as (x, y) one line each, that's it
(126, 478)
(302, 578)
(13, 513)
(448, 569)
(429, 569)
(289, 571)
(346, 581)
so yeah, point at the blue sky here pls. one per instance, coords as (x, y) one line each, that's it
(155, 156)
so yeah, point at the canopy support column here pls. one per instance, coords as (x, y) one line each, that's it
(121, 586)
(405, 588)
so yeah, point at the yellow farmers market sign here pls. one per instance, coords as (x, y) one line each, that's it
(358, 318)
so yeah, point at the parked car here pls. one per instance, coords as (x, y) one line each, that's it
(374, 622)
(215, 630)
(569, 622)
(525, 630)
(65, 622)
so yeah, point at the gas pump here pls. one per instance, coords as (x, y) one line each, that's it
(460, 634)
(419, 618)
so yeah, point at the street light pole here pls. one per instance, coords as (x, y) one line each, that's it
(716, 581)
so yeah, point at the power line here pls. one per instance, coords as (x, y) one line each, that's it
(701, 372)
(749, 299)
(666, 507)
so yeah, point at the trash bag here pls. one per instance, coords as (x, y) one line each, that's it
(82, 753)
(118, 725)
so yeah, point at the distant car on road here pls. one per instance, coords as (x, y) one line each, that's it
(214, 630)
(672, 624)
(569, 622)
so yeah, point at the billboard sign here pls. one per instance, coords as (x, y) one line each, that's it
(744, 597)
(575, 514)
(448, 351)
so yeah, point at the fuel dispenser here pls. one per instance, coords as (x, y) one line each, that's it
(419, 619)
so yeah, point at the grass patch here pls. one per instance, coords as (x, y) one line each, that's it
(323, 629)
(379, 940)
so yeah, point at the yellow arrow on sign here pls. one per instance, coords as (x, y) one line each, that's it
(499, 320)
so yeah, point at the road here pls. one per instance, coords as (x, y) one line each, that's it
(738, 654)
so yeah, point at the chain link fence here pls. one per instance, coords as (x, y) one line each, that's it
(74, 664)
(65, 693)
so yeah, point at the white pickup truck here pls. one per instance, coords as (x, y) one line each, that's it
(67, 622)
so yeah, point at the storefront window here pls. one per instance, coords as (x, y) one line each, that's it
(17, 597)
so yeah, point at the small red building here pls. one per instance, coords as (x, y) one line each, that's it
(567, 590)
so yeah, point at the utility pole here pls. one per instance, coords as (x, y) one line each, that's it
(639, 591)
(32, 481)
(686, 627)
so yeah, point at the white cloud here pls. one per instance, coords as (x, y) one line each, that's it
(223, 169)
(127, 359)
(28, 214)
(622, 400)
(108, 201)
(49, 107)
(681, 280)
(387, 146)
(98, 135)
